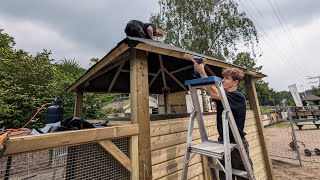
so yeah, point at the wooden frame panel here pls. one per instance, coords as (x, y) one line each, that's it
(21, 144)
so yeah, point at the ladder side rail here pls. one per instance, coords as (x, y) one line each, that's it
(226, 142)
(188, 143)
(196, 106)
(235, 131)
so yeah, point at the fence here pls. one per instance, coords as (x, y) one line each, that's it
(280, 138)
(83, 154)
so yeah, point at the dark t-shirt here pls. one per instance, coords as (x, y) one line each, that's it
(145, 27)
(237, 103)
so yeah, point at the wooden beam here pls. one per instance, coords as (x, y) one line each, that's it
(102, 63)
(210, 71)
(134, 154)
(162, 72)
(154, 78)
(78, 105)
(175, 79)
(181, 69)
(254, 105)
(139, 93)
(127, 71)
(181, 55)
(21, 144)
(117, 154)
(115, 77)
(99, 73)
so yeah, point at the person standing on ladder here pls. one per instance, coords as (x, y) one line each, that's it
(237, 101)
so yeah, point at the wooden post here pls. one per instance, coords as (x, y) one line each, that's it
(139, 92)
(166, 103)
(78, 104)
(254, 105)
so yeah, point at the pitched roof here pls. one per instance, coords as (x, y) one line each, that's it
(311, 97)
(112, 72)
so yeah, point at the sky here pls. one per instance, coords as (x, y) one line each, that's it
(83, 29)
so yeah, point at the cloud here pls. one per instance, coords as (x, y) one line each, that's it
(83, 29)
(96, 23)
(33, 37)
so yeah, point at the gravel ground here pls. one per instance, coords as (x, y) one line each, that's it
(285, 163)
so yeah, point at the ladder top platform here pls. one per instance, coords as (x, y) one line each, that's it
(203, 81)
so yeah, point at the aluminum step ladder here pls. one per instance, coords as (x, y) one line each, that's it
(214, 149)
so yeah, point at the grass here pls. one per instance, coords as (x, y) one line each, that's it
(265, 110)
(285, 124)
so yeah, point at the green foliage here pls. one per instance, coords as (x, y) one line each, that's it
(265, 109)
(208, 27)
(27, 82)
(243, 59)
(314, 90)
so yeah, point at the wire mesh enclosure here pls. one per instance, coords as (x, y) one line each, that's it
(84, 161)
(279, 138)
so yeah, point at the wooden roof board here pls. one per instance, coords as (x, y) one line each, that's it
(177, 68)
(311, 97)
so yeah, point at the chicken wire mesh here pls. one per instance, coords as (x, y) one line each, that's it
(85, 161)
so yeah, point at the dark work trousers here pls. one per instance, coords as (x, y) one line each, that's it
(236, 160)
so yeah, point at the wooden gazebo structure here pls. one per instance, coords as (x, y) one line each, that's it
(138, 148)
(142, 67)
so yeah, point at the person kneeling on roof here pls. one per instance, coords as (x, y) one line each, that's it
(139, 29)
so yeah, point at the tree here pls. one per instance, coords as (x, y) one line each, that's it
(27, 82)
(208, 27)
(244, 59)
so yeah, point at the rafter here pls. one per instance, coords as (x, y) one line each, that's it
(115, 77)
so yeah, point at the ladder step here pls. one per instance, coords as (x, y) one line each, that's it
(203, 81)
(210, 148)
(235, 172)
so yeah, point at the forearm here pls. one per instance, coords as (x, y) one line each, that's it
(211, 90)
(150, 33)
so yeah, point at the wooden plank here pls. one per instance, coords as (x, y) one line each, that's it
(176, 126)
(252, 136)
(193, 171)
(259, 166)
(181, 69)
(172, 152)
(117, 154)
(22, 144)
(115, 77)
(207, 118)
(139, 94)
(134, 154)
(262, 174)
(102, 63)
(206, 169)
(257, 158)
(113, 65)
(254, 105)
(199, 177)
(159, 142)
(78, 105)
(254, 151)
(171, 166)
(181, 55)
(162, 72)
(250, 129)
(154, 78)
(254, 143)
(210, 71)
(249, 122)
(175, 79)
